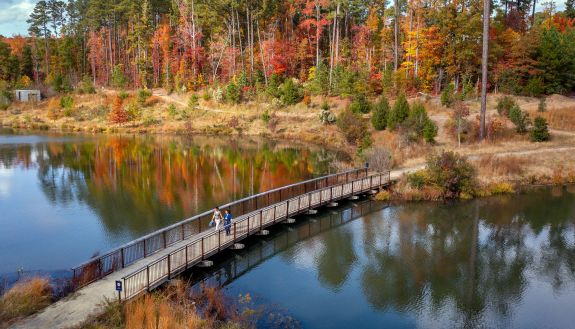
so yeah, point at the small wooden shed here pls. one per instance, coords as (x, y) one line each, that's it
(28, 95)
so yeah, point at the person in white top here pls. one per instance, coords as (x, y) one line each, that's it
(217, 218)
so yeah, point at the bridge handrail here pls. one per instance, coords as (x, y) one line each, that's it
(134, 250)
(128, 293)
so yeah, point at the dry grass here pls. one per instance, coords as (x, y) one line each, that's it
(173, 308)
(24, 298)
(562, 118)
(494, 165)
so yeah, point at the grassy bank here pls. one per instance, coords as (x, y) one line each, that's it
(179, 305)
(23, 299)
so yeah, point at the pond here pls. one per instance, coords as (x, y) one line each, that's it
(64, 198)
(500, 262)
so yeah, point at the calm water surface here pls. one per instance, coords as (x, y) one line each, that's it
(63, 198)
(504, 262)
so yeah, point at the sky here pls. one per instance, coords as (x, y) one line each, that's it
(14, 13)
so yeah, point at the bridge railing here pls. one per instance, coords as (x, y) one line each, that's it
(147, 245)
(200, 248)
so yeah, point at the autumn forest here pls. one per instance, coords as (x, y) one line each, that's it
(335, 47)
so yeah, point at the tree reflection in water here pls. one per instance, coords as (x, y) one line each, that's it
(480, 263)
(139, 184)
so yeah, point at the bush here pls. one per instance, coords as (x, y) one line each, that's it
(123, 95)
(118, 78)
(67, 102)
(327, 117)
(218, 94)
(501, 188)
(378, 158)
(380, 114)
(352, 127)
(233, 93)
(504, 105)
(118, 114)
(206, 95)
(266, 117)
(193, 102)
(143, 95)
(172, 111)
(86, 86)
(417, 180)
(429, 131)
(273, 86)
(534, 87)
(25, 298)
(540, 131)
(519, 118)
(359, 104)
(399, 112)
(290, 92)
(542, 107)
(448, 95)
(451, 173)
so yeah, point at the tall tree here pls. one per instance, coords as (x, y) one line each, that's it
(484, 63)
(39, 20)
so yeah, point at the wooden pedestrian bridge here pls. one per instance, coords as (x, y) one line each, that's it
(151, 260)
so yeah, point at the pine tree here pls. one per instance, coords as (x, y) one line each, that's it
(380, 114)
(118, 113)
(540, 131)
(570, 8)
(399, 112)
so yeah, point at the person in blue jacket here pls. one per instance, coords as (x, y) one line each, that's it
(227, 221)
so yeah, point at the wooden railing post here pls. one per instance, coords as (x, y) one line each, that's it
(186, 256)
(122, 256)
(261, 219)
(145, 249)
(235, 230)
(169, 267)
(164, 237)
(202, 248)
(148, 278)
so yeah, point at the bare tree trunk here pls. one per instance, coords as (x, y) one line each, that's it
(317, 14)
(484, 60)
(332, 52)
(262, 54)
(396, 36)
(533, 13)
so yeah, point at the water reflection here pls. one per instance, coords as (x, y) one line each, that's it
(506, 262)
(109, 190)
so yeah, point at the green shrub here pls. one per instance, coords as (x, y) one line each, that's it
(290, 92)
(429, 131)
(519, 118)
(452, 174)
(172, 111)
(266, 117)
(417, 180)
(542, 107)
(67, 102)
(448, 95)
(504, 105)
(352, 126)
(360, 104)
(123, 95)
(118, 78)
(274, 82)
(143, 95)
(134, 110)
(534, 87)
(380, 114)
(193, 102)
(540, 131)
(206, 95)
(233, 93)
(399, 112)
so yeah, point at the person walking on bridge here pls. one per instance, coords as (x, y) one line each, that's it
(217, 218)
(227, 221)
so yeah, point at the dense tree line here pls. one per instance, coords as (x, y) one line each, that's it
(340, 47)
